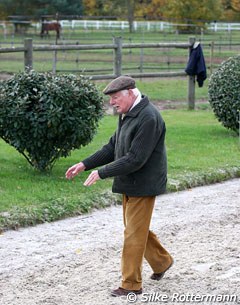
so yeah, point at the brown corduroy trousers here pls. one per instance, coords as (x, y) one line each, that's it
(140, 242)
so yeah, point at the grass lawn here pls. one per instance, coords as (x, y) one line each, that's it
(162, 89)
(199, 149)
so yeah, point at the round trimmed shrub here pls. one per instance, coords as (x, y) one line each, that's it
(45, 116)
(224, 93)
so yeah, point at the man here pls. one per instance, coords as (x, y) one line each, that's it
(135, 156)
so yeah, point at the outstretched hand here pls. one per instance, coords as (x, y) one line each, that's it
(92, 178)
(74, 170)
(80, 167)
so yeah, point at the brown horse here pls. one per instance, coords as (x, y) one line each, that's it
(51, 26)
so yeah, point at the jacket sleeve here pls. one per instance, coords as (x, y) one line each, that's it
(141, 148)
(103, 156)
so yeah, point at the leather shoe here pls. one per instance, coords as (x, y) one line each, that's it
(124, 292)
(159, 276)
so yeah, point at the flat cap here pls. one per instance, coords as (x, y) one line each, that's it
(120, 83)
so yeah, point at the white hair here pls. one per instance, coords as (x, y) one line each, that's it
(135, 91)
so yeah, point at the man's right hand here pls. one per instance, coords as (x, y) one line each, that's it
(74, 170)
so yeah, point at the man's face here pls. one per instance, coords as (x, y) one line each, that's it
(122, 100)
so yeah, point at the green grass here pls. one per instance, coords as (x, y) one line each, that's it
(198, 144)
(199, 149)
(162, 89)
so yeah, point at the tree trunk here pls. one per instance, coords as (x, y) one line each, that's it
(130, 11)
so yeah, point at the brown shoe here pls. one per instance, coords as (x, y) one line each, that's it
(159, 276)
(124, 292)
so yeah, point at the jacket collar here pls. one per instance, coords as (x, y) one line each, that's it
(135, 111)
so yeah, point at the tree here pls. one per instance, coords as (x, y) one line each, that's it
(231, 10)
(101, 8)
(121, 8)
(41, 7)
(62, 7)
(10, 7)
(193, 12)
(130, 13)
(235, 5)
(151, 9)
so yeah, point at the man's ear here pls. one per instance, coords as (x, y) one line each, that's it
(130, 92)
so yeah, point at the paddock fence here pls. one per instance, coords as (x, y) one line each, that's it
(147, 25)
(117, 46)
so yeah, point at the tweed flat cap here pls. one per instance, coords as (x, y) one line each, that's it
(120, 83)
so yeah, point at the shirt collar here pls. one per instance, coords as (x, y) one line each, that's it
(137, 101)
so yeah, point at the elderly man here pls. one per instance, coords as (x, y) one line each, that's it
(136, 157)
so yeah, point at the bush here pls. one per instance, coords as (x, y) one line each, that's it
(45, 116)
(224, 93)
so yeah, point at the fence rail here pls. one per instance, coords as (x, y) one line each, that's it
(8, 28)
(117, 46)
(12, 50)
(122, 25)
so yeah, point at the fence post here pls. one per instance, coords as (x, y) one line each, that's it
(211, 57)
(191, 84)
(118, 56)
(28, 54)
(117, 60)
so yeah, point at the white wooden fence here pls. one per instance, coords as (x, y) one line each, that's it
(138, 25)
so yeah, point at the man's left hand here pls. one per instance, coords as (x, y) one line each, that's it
(92, 178)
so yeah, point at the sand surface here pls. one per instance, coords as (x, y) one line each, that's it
(77, 261)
